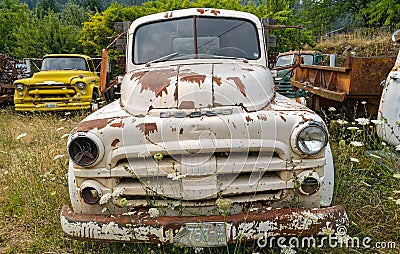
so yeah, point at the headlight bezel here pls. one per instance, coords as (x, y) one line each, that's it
(301, 129)
(75, 143)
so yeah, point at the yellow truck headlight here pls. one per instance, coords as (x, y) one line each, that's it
(20, 87)
(80, 85)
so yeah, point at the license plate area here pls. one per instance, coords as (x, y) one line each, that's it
(202, 234)
(50, 105)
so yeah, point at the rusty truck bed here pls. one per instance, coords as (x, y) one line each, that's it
(359, 80)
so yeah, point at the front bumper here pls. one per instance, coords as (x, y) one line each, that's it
(203, 231)
(52, 106)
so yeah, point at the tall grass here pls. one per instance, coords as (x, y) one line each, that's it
(33, 188)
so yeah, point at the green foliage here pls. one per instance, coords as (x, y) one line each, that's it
(45, 35)
(383, 13)
(12, 15)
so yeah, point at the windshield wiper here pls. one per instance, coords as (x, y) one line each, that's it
(163, 58)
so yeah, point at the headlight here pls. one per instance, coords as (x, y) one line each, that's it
(80, 85)
(85, 149)
(309, 138)
(19, 87)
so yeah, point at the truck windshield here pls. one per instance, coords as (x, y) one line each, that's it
(64, 63)
(209, 38)
(285, 60)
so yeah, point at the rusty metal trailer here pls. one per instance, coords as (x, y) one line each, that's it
(344, 87)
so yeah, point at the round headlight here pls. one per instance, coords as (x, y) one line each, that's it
(19, 87)
(81, 85)
(310, 139)
(84, 150)
(309, 186)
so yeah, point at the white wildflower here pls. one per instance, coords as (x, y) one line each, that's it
(377, 122)
(331, 109)
(363, 102)
(22, 135)
(60, 129)
(175, 176)
(104, 210)
(198, 250)
(62, 120)
(64, 136)
(67, 113)
(224, 203)
(105, 198)
(356, 143)
(398, 202)
(397, 148)
(390, 198)
(110, 226)
(311, 216)
(57, 157)
(352, 128)
(287, 250)
(342, 122)
(144, 154)
(354, 160)
(154, 212)
(397, 175)
(118, 192)
(362, 121)
(396, 191)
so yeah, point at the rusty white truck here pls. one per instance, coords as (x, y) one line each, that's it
(199, 150)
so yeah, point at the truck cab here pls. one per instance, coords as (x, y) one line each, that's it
(65, 82)
(199, 150)
(284, 69)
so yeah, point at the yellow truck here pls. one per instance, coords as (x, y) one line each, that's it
(65, 82)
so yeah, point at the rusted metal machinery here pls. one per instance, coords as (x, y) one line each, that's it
(10, 70)
(7, 73)
(343, 87)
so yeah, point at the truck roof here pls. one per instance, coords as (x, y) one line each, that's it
(67, 55)
(197, 12)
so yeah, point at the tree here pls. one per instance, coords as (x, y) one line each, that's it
(12, 15)
(45, 35)
(383, 13)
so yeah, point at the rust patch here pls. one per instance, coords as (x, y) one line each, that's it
(115, 142)
(118, 125)
(147, 128)
(187, 105)
(180, 131)
(194, 78)
(248, 69)
(156, 81)
(201, 11)
(99, 124)
(283, 118)
(217, 80)
(173, 129)
(168, 15)
(249, 119)
(215, 12)
(262, 117)
(239, 84)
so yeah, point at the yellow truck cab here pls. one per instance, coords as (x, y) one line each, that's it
(65, 82)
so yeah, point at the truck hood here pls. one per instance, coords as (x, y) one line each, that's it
(197, 86)
(60, 76)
